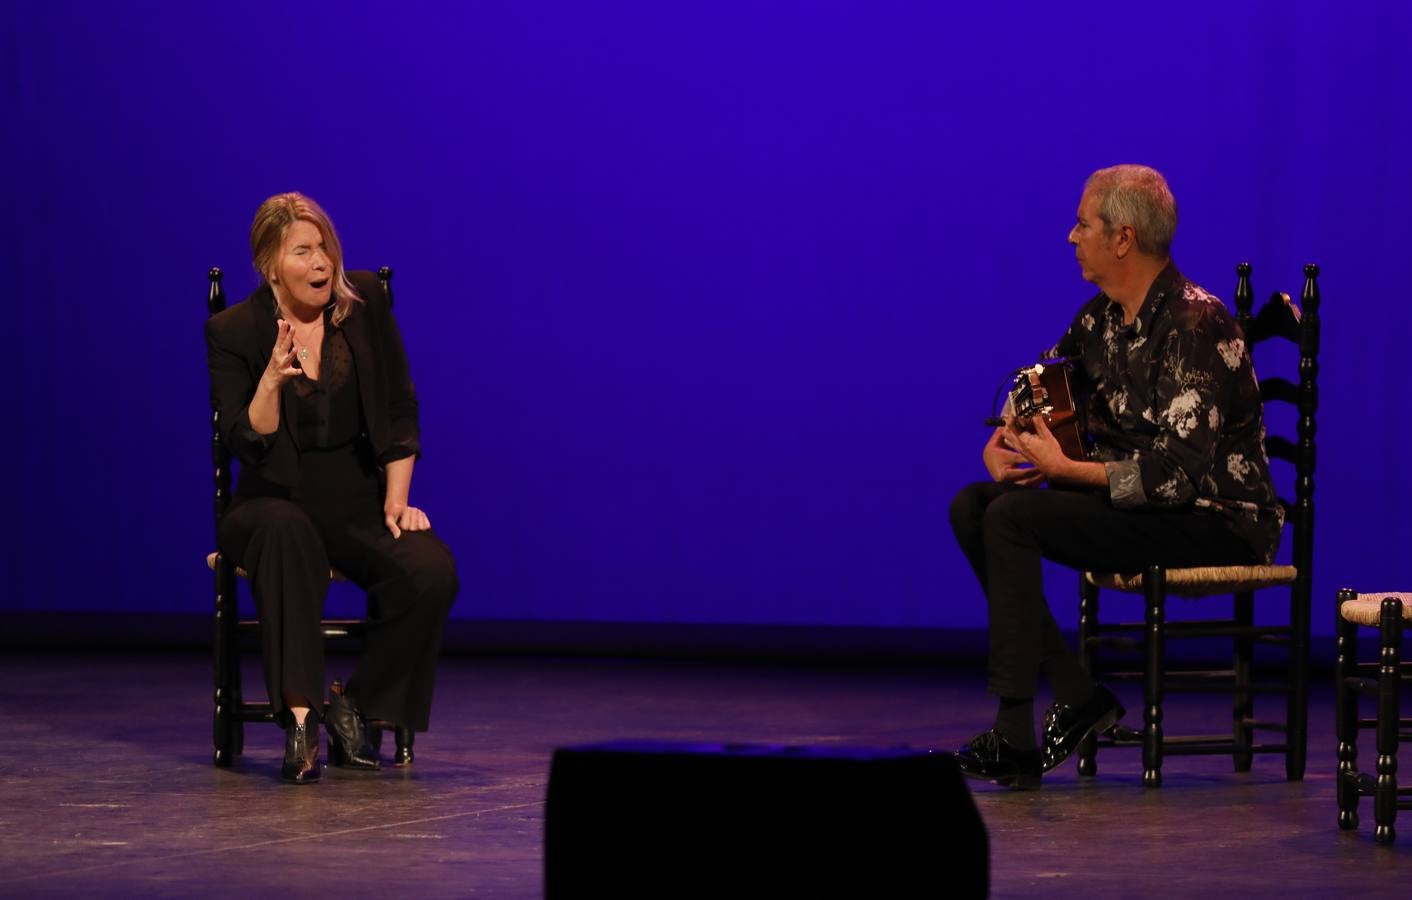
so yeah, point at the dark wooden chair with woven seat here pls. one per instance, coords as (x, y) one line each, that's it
(1382, 678)
(1278, 318)
(231, 711)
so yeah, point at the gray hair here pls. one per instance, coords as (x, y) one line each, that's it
(1136, 196)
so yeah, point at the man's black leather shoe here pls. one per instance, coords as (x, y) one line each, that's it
(1065, 727)
(991, 757)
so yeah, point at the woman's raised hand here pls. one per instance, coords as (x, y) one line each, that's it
(281, 366)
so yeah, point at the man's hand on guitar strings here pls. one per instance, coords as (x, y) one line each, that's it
(1039, 447)
(1005, 464)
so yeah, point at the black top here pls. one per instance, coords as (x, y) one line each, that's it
(329, 413)
(238, 345)
(1174, 408)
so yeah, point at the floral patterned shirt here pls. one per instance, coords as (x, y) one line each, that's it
(1173, 407)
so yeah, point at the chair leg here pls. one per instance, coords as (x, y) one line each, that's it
(404, 739)
(1346, 716)
(1088, 658)
(1389, 683)
(1297, 717)
(237, 729)
(1243, 707)
(225, 727)
(1155, 594)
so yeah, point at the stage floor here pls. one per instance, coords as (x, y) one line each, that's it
(107, 786)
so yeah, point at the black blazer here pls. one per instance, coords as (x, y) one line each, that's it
(239, 341)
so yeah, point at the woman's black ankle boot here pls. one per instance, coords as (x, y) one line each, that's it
(301, 752)
(347, 733)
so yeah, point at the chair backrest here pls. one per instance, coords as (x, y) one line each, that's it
(1281, 318)
(220, 454)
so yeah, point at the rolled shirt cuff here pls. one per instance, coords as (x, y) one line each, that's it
(1125, 484)
(254, 437)
(400, 451)
(250, 445)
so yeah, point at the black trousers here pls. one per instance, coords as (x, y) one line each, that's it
(1005, 531)
(287, 549)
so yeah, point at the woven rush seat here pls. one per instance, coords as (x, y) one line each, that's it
(1200, 581)
(240, 572)
(1366, 608)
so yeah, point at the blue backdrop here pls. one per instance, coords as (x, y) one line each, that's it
(704, 301)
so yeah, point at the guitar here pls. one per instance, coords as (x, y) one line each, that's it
(1043, 389)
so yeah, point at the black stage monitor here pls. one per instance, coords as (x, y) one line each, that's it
(652, 819)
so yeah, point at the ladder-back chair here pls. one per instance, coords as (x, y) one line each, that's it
(1278, 318)
(231, 710)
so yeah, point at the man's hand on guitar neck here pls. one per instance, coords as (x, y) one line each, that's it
(1042, 451)
(1005, 464)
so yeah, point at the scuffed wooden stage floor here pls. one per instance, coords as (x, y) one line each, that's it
(106, 784)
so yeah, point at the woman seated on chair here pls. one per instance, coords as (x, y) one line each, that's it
(310, 381)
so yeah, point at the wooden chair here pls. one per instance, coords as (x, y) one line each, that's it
(231, 710)
(1383, 679)
(1278, 318)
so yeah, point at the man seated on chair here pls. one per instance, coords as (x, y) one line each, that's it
(1176, 474)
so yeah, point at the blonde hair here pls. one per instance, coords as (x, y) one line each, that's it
(272, 222)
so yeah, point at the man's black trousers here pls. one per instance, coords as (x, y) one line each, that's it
(1006, 530)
